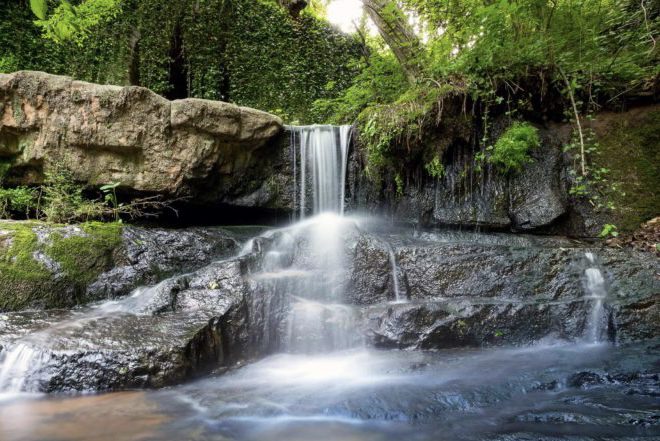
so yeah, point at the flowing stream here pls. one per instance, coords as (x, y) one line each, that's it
(321, 380)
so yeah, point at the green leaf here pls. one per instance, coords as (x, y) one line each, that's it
(39, 8)
(111, 186)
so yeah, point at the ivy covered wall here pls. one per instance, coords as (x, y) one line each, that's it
(251, 52)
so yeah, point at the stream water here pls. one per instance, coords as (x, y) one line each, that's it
(323, 382)
(544, 392)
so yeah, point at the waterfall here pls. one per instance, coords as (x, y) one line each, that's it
(596, 292)
(18, 364)
(398, 298)
(320, 154)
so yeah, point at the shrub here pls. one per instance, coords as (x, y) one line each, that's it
(63, 198)
(511, 151)
(19, 200)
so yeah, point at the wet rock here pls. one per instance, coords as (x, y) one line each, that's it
(371, 273)
(150, 255)
(493, 293)
(585, 379)
(458, 323)
(170, 332)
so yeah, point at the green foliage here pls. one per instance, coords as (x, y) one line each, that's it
(249, 52)
(627, 148)
(403, 123)
(398, 180)
(60, 199)
(19, 200)
(595, 184)
(605, 46)
(435, 167)
(74, 23)
(608, 230)
(8, 63)
(511, 151)
(283, 66)
(63, 198)
(513, 53)
(110, 197)
(381, 81)
(39, 8)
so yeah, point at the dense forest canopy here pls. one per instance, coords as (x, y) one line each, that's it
(599, 50)
(251, 53)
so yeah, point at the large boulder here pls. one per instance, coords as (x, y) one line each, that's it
(211, 151)
(159, 336)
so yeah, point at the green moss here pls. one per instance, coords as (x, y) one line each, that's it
(22, 278)
(511, 151)
(26, 281)
(629, 149)
(83, 258)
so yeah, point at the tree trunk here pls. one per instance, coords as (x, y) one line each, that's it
(393, 26)
(134, 57)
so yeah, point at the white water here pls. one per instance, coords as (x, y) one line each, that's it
(317, 320)
(398, 298)
(596, 292)
(320, 160)
(22, 362)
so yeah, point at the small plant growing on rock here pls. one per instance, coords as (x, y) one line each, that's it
(110, 196)
(609, 230)
(19, 200)
(511, 151)
(435, 168)
(63, 198)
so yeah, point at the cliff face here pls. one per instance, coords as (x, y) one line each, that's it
(209, 151)
(537, 198)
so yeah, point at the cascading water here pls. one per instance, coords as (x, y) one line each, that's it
(320, 159)
(24, 362)
(304, 263)
(595, 292)
(398, 297)
(318, 320)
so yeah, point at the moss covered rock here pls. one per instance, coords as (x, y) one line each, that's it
(45, 266)
(50, 266)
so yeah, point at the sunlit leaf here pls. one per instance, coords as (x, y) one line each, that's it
(39, 8)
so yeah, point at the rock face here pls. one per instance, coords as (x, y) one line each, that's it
(532, 199)
(457, 289)
(473, 193)
(45, 266)
(212, 151)
(501, 290)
